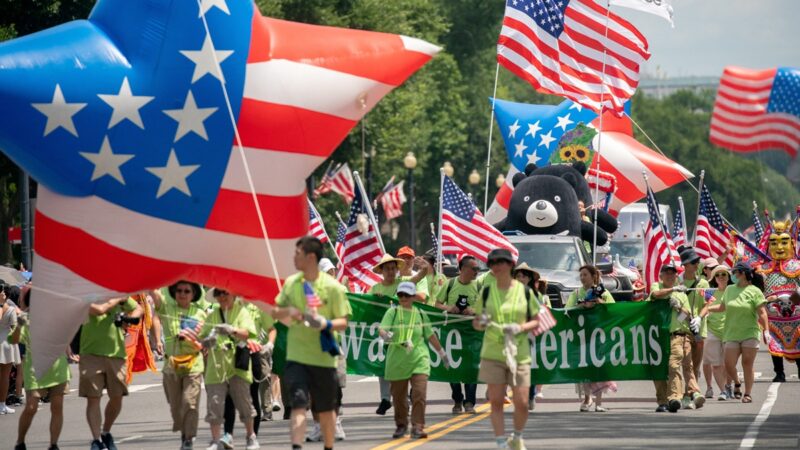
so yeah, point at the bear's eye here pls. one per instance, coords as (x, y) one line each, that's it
(557, 198)
(527, 198)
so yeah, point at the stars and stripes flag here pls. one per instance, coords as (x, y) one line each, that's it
(758, 227)
(763, 243)
(546, 321)
(338, 180)
(134, 142)
(712, 235)
(464, 229)
(659, 248)
(338, 246)
(315, 226)
(324, 185)
(362, 250)
(562, 47)
(679, 230)
(392, 199)
(757, 110)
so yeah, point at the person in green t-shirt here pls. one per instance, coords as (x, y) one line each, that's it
(317, 305)
(410, 260)
(102, 364)
(746, 319)
(53, 385)
(719, 280)
(695, 292)
(182, 319)
(407, 330)
(433, 278)
(670, 392)
(458, 296)
(225, 333)
(526, 275)
(507, 312)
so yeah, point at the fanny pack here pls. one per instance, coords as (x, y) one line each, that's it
(182, 364)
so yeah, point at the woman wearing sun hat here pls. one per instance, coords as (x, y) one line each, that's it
(713, 361)
(526, 275)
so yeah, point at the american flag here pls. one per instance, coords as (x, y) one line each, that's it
(341, 182)
(338, 246)
(361, 250)
(392, 199)
(315, 226)
(712, 235)
(763, 243)
(758, 227)
(464, 229)
(659, 247)
(749, 251)
(325, 183)
(134, 145)
(546, 321)
(757, 110)
(560, 47)
(679, 230)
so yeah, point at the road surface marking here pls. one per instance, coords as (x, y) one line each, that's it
(432, 428)
(445, 431)
(368, 380)
(129, 438)
(749, 440)
(141, 387)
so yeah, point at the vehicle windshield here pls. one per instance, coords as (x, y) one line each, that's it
(628, 250)
(550, 255)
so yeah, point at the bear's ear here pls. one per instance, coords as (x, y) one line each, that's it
(571, 178)
(519, 176)
(530, 168)
(580, 167)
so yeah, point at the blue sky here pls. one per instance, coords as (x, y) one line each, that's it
(711, 34)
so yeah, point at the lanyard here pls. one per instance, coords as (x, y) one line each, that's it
(408, 331)
(498, 303)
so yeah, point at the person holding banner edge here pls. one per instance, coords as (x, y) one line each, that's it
(695, 292)
(506, 310)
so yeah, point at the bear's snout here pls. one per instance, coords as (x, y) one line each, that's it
(541, 214)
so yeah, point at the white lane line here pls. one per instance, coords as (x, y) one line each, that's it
(140, 387)
(749, 440)
(368, 380)
(129, 438)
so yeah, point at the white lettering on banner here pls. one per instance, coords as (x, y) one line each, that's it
(638, 337)
(453, 342)
(597, 362)
(566, 338)
(582, 337)
(548, 345)
(375, 350)
(655, 359)
(618, 351)
(352, 341)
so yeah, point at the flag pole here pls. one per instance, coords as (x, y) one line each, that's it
(439, 251)
(683, 217)
(370, 214)
(489, 145)
(697, 213)
(322, 224)
(658, 208)
(644, 258)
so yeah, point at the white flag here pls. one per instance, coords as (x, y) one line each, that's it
(661, 8)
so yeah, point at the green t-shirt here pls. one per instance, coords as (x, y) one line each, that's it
(741, 313)
(412, 325)
(262, 320)
(303, 342)
(422, 286)
(458, 291)
(220, 363)
(544, 299)
(506, 307)
(385, 290)
(675, 326)
(716, 321)
(173, 320)
(99, 335)
(58, 373)
(436, 284)
(580, 293)
(697, 301)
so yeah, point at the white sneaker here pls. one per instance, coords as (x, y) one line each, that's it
(227, 441)
(538, 396)
(252, 442)
(315, 435)
(339, 435)
(215, 445)
(516, 444)
(4, 409)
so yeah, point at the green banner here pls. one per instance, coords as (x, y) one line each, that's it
(622, 341)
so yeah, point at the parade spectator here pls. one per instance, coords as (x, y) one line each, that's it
(9, 353)
(669, 393)
(103, 364)
(182, 374)
(407, 330)
(311, 341)
(407, 255)
(695, 288)
(53, 385)
(587, 296)
(720, 278)
(526, 275)
(745, 311)
(458, 296)
(506, 311)
(16, 398)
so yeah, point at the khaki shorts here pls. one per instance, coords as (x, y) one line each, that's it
(747, 343)
(712, 351)
(239, 390)
(52, 391)
(98, 372)
(496, 372)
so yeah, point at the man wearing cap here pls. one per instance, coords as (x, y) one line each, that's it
(407, 272)
(695, 289)
(670, 392)
(458, 296)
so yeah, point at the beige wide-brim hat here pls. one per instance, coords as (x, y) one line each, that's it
(524, 267)
(720, 268)
(387, 258)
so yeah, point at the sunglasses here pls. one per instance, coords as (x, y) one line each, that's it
(219, 293)
(403, 294)
(184, 291)
(721, 275)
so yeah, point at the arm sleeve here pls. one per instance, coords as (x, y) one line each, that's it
(440, 296)
(388, 318)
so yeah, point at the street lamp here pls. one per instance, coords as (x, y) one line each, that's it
(410, 161)
(500, 180)
(474, 179)
(448, 169)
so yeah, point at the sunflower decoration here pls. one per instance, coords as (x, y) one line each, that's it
(575, 146)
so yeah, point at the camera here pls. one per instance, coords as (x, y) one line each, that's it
(121, 319)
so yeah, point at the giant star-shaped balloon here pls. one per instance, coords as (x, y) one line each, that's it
(132, 122)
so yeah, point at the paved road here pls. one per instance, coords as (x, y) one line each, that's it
(556, 423)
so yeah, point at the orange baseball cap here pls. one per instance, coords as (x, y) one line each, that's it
(406, 251)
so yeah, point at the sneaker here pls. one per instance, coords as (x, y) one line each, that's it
(698, 400)
(339, 433)
(276, 406)
(21, 446)
(599, 408)
(227, 441)
(710, 393)
(215, 445)
(673, 406)
(266, 416)
(399, 432)
(779, 378)
(516, 444)
(469, 408)
(722, 396)
(98, 445)
(383, 407)
(418, 433)
(187, 444)
(252, 442)
(539, 396)
(53, 447)
(729, 390)
(458, 408)
(586, 406)
(686, 403)
(108, 440)
(315, 435)
(502, 445)
(4, 409)
(662, 408)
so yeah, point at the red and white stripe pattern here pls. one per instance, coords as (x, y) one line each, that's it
(659, 248)
(362, 250)
(546, 321)
(563, 48)
(315, 226)
(341, 182)
(712, 235)
(392, 201)
(741, 120)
